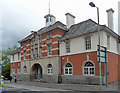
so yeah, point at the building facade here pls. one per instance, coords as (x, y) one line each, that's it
(66, 53)
(78, 51)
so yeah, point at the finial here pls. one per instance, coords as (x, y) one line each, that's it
(49, 6)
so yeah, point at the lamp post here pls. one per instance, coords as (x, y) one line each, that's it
(93, 5)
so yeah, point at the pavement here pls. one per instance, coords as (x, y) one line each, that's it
(39, 86)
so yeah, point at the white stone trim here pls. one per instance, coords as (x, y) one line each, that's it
(28, 54)
(55, 49)
(28, 45)
(56, 36)
(28, 49)
(15, 61)
(44, 51)
(44, 45)
(78, 52)
(21, 46)
(44, 39)
(56, 42)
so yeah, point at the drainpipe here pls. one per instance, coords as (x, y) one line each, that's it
(59, 76)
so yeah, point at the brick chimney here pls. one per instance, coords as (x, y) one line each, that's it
(69, 19)
(110, 18)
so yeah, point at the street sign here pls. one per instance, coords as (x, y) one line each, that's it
(103, 53)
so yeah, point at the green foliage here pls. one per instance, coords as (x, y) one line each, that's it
(5, 58)
(6, 69)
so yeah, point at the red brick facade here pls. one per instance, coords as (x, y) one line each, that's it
(78, 60)
(15, 65)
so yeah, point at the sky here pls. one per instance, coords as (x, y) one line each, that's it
(19, 17)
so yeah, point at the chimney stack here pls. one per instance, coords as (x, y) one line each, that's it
(69, 19)
(110, 18)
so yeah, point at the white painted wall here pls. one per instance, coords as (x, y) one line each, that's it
(15, 58)
(77, 45)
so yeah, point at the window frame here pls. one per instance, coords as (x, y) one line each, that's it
(88, 69)
(88, 42)
(49, 49)
(67, 46)
(18, 56)
(19, 70)
(25, 69)
(50, 69)
(68, 69)
(108, 42)
(24, 54)
(13, 58)
(13, 70)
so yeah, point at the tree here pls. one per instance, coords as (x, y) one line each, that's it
(5, 58)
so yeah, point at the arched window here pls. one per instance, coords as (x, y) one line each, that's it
(68, 69)
(88, 68)
(49, 69)
(13, 70)
(25, 69)
(18, 70)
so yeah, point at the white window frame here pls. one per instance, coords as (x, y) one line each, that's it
(18, 70)
(68, 69)
(88, 67)
(88, 43)
(13, 58)
(108, 42)
(49, 48)
(67, 46)
(25, 69)
(13, 70)
(18, 56)
(24, 54)
(50, 69)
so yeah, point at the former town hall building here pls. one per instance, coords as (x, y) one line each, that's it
(66, 51)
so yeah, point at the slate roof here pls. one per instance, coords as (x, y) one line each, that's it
(84, 27)
(26, 38)
(57, 24)
(16, 51)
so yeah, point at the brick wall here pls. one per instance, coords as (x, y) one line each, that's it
(15, 66)
(78, 60)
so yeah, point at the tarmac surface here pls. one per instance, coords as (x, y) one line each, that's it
(39, 87)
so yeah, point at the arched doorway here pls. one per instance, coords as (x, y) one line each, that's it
(37, 71)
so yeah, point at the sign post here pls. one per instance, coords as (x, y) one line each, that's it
(103, 57)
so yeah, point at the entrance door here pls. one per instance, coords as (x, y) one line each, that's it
(37, 71)
(40, 73)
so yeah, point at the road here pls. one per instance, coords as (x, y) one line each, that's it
(37, 87)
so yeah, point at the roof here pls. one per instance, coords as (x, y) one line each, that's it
(48, 15)
(57, 24)
(84, 27)
(26, 38)
(16, 51)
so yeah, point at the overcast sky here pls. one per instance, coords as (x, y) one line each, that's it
(19, 17)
